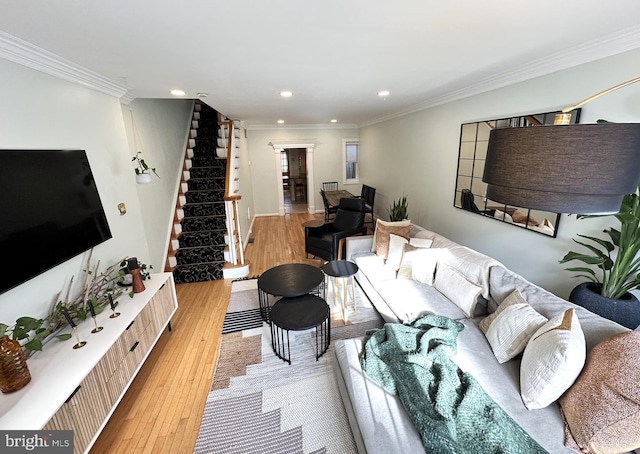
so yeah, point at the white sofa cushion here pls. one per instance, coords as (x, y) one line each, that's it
(454, 286)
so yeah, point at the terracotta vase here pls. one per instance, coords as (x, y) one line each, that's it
(138, 285)
(14, 373)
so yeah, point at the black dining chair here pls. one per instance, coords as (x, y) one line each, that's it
(368, 194)
(325, 241)
(329, 211)
(330, 186)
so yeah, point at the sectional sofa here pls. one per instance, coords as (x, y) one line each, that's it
(406, 273)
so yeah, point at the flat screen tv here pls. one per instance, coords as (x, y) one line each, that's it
(51, 211)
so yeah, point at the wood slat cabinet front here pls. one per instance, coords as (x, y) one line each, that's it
(88, 408)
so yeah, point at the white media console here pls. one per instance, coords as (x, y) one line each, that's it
(79, 389)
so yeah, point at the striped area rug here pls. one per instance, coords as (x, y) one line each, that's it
(260, 404)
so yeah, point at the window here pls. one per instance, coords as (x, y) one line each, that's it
(285, 161)
(350, 171)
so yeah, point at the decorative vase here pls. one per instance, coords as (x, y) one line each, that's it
(14, 373)
(143, 178)
(138, 285)
(624, 311)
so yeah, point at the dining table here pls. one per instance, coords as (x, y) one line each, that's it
(333, 197)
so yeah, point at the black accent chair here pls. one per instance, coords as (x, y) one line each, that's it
(369, 195)
(330, 186)
(329, 211)
(468, 203)
(326, 241)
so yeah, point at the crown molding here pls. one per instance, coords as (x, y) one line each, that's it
(127, 98)
(617, 43)
(301, 126)
(26, 54)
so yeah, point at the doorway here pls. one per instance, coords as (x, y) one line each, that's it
(294, 179)
(307, 145)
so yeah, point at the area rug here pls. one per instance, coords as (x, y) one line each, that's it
(260, 404)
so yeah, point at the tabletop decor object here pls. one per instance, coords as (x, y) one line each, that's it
(14, 373)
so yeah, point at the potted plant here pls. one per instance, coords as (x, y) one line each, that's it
(608, 291)
(142, 169)
(398, 210)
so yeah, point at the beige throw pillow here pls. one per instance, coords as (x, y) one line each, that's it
(454, 286)
(552, 360)
(514, 297)
(509, 333)
(602, 408)
(382, 232)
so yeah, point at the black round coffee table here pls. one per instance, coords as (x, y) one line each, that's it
(297, 314)
(288, 281)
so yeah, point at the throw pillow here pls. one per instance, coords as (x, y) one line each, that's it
(602, 408)
(409, 252)
(420, 263)
(509, 333)
(552, 360)
(521, 218)
(454, 286)
(514, 297)
(420, 242)
(394, 255)
(502, 216)
(382, 232)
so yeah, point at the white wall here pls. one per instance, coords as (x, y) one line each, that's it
(327, 163)
(417, 154)
(162, 127)
(41, 111)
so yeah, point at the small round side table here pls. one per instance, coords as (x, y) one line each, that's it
(342, 270)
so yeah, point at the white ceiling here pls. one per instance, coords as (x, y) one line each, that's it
(335, 55)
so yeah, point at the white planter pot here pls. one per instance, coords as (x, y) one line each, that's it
(143, 178)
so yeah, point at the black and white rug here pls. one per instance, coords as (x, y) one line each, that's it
(260, 404)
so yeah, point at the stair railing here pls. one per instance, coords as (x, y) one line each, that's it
(232, 195)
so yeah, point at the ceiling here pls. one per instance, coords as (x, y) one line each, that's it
(334, 55)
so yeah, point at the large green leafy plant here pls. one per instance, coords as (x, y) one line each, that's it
(616, 257)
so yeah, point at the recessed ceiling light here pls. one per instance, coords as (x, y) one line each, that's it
(176, 92)
(383, 93)
(202, 95)
(286, 94)
(280, 121)
(333, 120)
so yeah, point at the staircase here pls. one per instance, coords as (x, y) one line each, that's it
(200, 245)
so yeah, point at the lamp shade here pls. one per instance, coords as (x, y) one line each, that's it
(584, 168)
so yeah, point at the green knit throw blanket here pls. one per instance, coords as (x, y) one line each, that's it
(450, 410)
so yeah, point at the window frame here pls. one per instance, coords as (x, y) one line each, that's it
(345, 143)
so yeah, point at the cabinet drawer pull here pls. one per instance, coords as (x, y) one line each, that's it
(130, 325)
(133, 347)
(72, 394)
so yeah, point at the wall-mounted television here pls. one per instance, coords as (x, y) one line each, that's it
(51, 211)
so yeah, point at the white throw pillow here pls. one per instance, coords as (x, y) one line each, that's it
(394, 256)
(420, 242)
(510, 331)
(502, 216)
(420, 263)
(454, 286)
(552, 360)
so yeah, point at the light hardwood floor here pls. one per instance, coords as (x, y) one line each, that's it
(162, 410)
